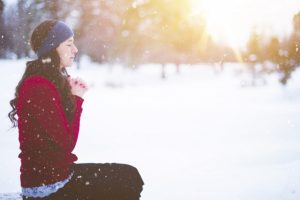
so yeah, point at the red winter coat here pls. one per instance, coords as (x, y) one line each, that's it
(46, 136)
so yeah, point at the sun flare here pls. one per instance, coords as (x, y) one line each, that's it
(225, 21)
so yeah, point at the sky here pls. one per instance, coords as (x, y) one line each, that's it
(231, 21)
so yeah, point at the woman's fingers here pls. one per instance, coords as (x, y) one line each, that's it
(77, 82)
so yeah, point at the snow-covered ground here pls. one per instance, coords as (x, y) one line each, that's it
(196, 135)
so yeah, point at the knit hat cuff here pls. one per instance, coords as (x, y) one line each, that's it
(58, 34)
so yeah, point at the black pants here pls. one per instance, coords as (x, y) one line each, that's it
(93, 181)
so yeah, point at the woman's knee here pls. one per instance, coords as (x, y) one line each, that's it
(132, 177)
(115, 174)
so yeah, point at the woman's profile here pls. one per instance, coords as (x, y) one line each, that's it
(48, 105)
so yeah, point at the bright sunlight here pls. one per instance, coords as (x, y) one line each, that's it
(232, 21)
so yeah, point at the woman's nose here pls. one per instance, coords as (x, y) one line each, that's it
(75, 50)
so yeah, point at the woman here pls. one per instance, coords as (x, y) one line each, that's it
(48, 104)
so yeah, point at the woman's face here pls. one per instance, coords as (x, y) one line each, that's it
(67, 51)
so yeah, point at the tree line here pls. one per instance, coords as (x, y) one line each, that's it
(284, 55)
(143, 31)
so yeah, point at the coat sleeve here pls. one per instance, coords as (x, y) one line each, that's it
(75, 122)
(44, 103)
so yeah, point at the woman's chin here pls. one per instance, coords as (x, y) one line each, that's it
(69, 64)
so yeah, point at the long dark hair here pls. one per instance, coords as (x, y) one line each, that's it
(47, 66)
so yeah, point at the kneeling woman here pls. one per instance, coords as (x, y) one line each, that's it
(48, 103)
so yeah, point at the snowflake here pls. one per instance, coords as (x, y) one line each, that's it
(134, 5)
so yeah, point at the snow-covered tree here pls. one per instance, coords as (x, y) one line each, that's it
(291, 58)
(25, 15)
(159, 31)
(95, 27)
(2, 31)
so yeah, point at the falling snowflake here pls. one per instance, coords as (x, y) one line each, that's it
(125, 33)
(278, 66)
(134, 4)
